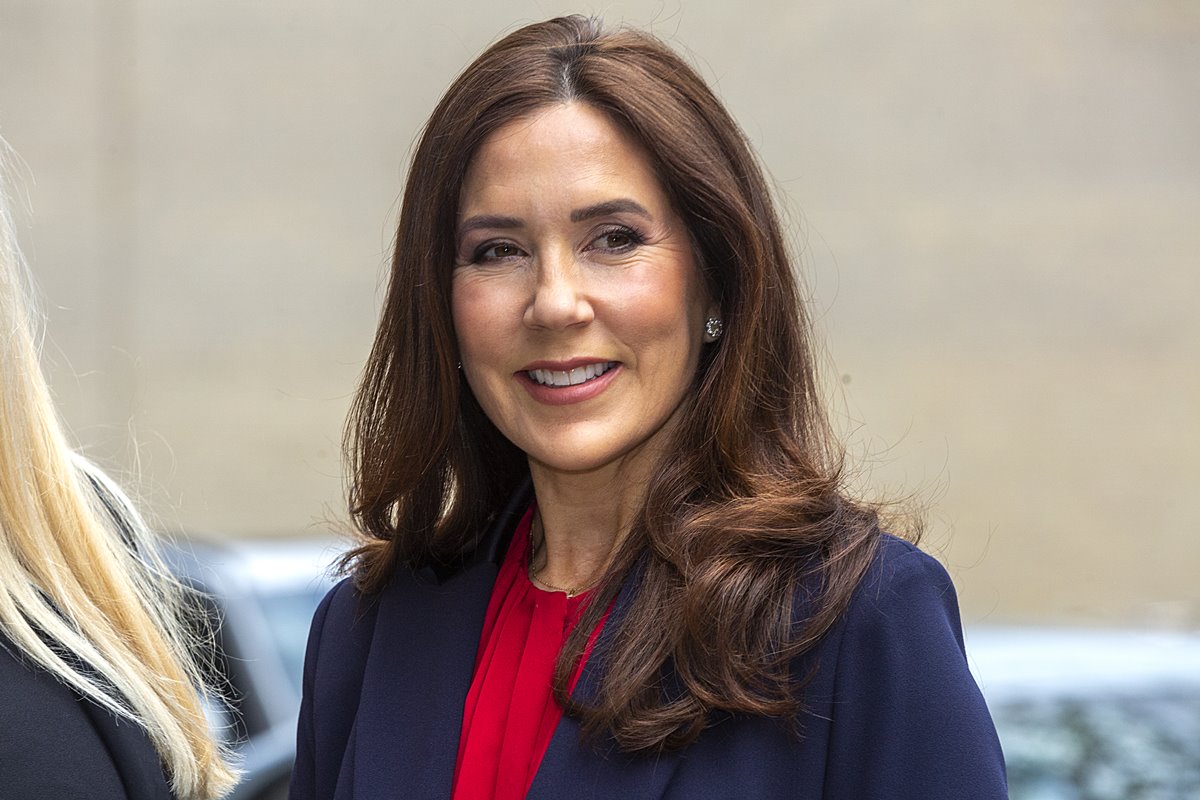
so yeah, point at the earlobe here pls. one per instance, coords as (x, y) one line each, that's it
(713, 328)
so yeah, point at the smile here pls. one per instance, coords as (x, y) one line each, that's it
(570, 377)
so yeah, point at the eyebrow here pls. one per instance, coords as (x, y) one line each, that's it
(620, 206)
(488, 221)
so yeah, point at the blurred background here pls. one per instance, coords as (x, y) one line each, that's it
(996, 206)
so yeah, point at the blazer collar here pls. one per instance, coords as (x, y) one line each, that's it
(494, 543)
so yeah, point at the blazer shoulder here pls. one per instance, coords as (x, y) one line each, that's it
(343, 603)
(908, 719)
(56, 744)
(904, 613)
(902, 576)
(341, 632)
(338, 644)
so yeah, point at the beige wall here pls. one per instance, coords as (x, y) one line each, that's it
(998, 207)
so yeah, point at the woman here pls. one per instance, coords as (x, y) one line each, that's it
(98, 697)
(607, 552)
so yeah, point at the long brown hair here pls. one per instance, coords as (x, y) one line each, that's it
(747, 528)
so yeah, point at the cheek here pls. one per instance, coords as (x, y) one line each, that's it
(666, 308)
(481, 313)
(474, 312)
(470, 320)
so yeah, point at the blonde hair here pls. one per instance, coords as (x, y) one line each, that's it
(84, 594)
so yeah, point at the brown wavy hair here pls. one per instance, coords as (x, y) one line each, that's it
(746, 548)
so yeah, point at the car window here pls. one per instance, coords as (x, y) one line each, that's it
(1103, 747)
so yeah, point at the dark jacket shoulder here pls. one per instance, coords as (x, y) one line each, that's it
(57, 745)
(906, 710)
(339, 641)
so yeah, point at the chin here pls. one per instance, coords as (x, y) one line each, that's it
(581, 457)
(577, 463)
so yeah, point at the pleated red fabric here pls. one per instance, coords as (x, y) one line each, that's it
(510, 713)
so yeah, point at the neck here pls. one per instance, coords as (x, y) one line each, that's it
(582, 520)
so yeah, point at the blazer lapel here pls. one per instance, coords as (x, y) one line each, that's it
(419, 670)
(416, 680)
(575, 769)
(572, 769)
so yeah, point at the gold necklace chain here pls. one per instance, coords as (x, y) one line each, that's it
(533, 573)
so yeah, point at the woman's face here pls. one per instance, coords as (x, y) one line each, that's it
(577, 303)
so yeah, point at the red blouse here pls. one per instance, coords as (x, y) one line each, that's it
(510, 713)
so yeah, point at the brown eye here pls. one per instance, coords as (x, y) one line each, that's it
(496, 252)
(617, 240)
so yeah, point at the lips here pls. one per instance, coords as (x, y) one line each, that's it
(565, 383)
(569, 377)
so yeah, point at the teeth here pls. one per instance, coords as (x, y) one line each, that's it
(574, 377)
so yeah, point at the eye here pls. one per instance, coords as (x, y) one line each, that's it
(497, 251)
(617, 240)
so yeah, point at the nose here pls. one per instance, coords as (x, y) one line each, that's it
(559, 299)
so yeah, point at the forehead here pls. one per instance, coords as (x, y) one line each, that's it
(571, 152)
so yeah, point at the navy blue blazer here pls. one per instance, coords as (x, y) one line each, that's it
(893, 712)
(55, 745)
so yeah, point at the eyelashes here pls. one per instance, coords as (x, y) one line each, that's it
(611, 239)
(498, 251)
(619, 238)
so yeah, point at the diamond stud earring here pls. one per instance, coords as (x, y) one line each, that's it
(713, 328)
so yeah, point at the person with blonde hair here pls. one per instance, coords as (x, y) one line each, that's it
(99, 691)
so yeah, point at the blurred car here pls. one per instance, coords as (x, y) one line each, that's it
(1093, 714)
(261, 595)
